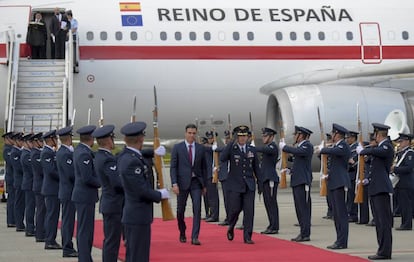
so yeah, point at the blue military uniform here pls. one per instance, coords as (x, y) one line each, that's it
(85, 195)
(380, 188)
(222, 176)
(27, 187)
(65, 167)
(301, 181)
(243, 172)
(352, 171)
(112, 197)
(338, 183)
(270, 154)
(50, 189)
(19, 203)
(212, 191)
(11, 222)
(139, 197)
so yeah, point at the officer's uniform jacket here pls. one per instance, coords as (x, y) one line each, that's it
(37, 170)
(352, 168)
(26, 161)
(302, 163)
(66, 170)
(15, 156)
(50, 186)
(9, 167)
(405, 169)
(268, 163)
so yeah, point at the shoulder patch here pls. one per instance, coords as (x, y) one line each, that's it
(113, 168)
(86, 162)
(69, 161)
(48, 159)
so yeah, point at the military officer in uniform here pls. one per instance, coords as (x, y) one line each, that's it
(404, 169)
(37, 169)
(244, 172)
(380, 188)
(112, 198)
(352, 171)
(50, 189)
(27, 186)
(301, 179)
(85, 192)
(139, 194)
(270, 154)
(212, 191)
(223, 174)
(64, 161)
(8, 146)
(338, 183)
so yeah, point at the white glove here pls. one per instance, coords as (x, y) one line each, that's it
(282, 144)
(214, 147)
(160, 151)
(252, 144)
(321, 145)
(365, 181)
(286, 170)
(359, 149)
(165, 194)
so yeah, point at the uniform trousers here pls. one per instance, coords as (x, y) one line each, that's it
(225, 200)
(40, 216)
(68, 225)
(195, 192)
(85, 230)
(11, 198)
(381, 208)
(270, 202)
(350, 205)
(303, 205)
(406, 207)
(52, 218)
(138, 240)
(30, 204)
(364, 207)
(112, 232)
(213, 199)
(242, 201)
(340, 215)
(19, 207)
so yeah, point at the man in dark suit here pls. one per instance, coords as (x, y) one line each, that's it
(8, 146)
(58, 31)
(338, 183)
(50, 189)
(85, 192)
(270, 154)
(37, 169)
(244, 172)
(301, 179)
(188, 177)
(112, 198)
(380, 188)
(139, 194)
(64, 161)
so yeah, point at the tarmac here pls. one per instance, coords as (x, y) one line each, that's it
(16, 247)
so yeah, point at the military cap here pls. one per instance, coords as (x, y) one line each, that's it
(65, 131)
(203, 140)
(27, 137)
(268, 131)
(210, 134)
(86, 130)
(405, 137)
(302, 130)
(227, 133)
(378, 127)
(17, 136)
(134, 129)
(104, 131)
(353, 134)
(50, 134)
(8, 135)
(339, 129)
(241, 130)
(37, 136)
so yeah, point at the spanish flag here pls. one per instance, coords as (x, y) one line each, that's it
(130, 6)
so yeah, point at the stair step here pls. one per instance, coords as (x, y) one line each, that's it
(36, 117)
(35, 90)
(38, 102)
(38, 111)
(41, 74)
(41, 62)
(39, 84)
(42, 69)
(39, 79)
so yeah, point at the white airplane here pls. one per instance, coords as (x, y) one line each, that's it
(212, 58)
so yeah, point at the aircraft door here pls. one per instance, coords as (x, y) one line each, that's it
(371, 46)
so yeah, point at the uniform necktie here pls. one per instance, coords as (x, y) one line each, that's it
(190, 154)
(242, 149)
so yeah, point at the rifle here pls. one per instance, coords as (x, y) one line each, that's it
(89, 116)
(72, 121)
(229, 126)
(324, 162)
(134, 110)
(359, 194)
(101, 119)
(32, 129)
(283, 182)
(216, 160)
(251, 129)
(166, 210)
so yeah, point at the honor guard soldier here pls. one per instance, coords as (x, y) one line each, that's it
(301, 179)
(244, 172)
(27, 185)
(19, 203)
(50, 189)
(64, 161)
(338, 183)
(112, 197)
(85, 192)
(223, 174)
(212, 191)
(139, 194)
(380, 189)
(40, 213)
(404, 169)
(8, 146)
(270, 154)
(352, 140)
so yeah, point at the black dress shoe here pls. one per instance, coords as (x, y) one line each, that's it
(403, 228)
(40, 240)
(183, 239)
(361, 223)
(230, 234)
(195, 241)
(21, 229)
(327, 217)
(210, 219)
(224, 223)
(73, 254)
(248, 241)
(336, 246)
(299, 238)
(270, 231)
(30, 234)
(53, 246)
(11, 225)
(378, 257)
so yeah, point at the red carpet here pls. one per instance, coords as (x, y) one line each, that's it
(215, 246)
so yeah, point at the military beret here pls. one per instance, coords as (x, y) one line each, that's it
(241, 130)
(104, 131)
(405, 137)
(227, 133)
(339, 129)
(86, 130)
(203, 140)
(378, 126)
(8, 135)
(210, 134)
(50, 134)
(134, 129)
(65, 131)
(37, 136)
(268, 131)
(302, 130)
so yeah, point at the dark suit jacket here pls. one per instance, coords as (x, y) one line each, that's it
(405, 169)
(50, 186)
(181, 169)
(37, 170)
(65, 166)
(55, 25)
(269, 160)
(302, 163)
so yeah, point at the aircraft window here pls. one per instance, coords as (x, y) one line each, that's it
(349, 35)
(134, 36)
(279, 36)
(293, 36)
(405, 35)
(118, 35)
(193, 36)
(307, 36)
(178, 36)
(236, 36)
(250, 36)
(321, 36)
(89, 35)
(104, 35)
(163, 36)
(207, 36)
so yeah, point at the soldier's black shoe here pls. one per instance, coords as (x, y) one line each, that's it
(21, 229)
(72, 254)
(30, 234)
(183, 238)
(403, 228)
(248, 241)
(53, 246)
(224, 223)
(336, 246)
(299, 238)
(230, 234)
(378, 257)
(195, 241)
(11, 225)
(210, 219)
(270, 231)
(327, 217)
(40, 240)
